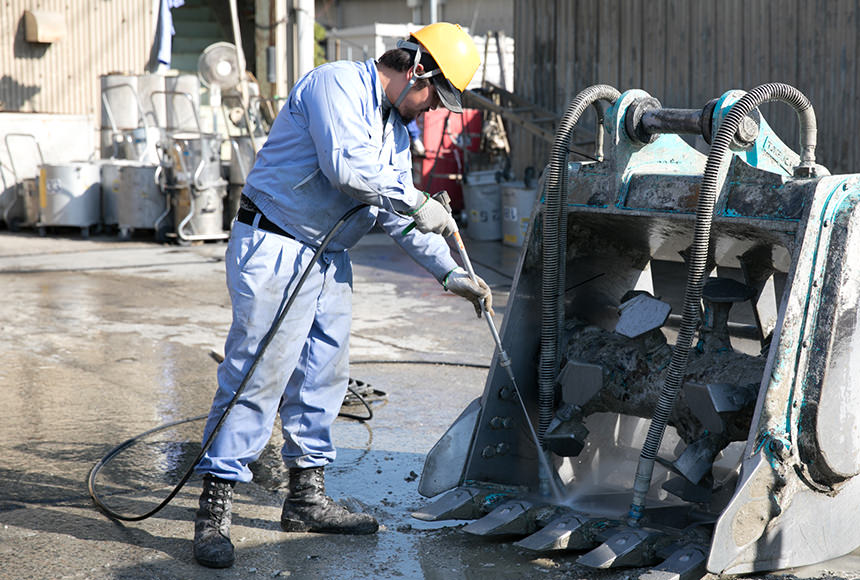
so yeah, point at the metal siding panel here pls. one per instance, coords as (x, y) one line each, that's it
(631, 44)
(548, 61)
(654, 51)
(709, 48)
(585, 19)
(851, 106)
(566, 55)
(729, 40)
(703, 67)
(844, 70)
(783, 68)
(807, 63)
(608, 35)
(63, 77)
(677, 59)
(565, 52)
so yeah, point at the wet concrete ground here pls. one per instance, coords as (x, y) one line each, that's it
(103, 340)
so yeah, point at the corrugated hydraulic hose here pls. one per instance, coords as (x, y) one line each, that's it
(717, 157)
(554, 235)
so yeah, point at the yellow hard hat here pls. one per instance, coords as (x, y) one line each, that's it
(453, 50)
(456, 56)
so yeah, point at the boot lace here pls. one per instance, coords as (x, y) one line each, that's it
(218, 497)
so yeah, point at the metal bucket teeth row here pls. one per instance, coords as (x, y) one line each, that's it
(464, 503)
(627, 547)
(673, 558)
(685, 563)
(612, 544)
(510, 517)
(569, 531)
(513, 517)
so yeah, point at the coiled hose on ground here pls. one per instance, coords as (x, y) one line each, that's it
(717, 157)
(554, 238)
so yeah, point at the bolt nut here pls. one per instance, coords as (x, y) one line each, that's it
(747, 131)
(778, 449)
(502, 448)
(506, 393)
(488, 452)
(805, 171)
(500, 423)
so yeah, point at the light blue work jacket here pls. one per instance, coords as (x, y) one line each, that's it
(328, 151)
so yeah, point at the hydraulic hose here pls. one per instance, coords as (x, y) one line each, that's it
(264, 344)
(554, 244)
(717, 158)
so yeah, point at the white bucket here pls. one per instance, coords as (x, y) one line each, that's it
(517, 204)
(483, 202)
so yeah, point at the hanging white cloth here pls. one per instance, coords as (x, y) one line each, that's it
(164, 32)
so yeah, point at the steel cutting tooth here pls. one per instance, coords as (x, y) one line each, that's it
(510, 517)
(567, 532)
(686, 563)
(627, 547)
(461, 503)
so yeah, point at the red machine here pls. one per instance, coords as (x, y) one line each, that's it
(446, 135)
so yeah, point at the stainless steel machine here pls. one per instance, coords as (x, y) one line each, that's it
(131, 189)
(70, 196)
(191, 178)
(681, 331)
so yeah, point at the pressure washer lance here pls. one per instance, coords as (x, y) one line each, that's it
(547, 482)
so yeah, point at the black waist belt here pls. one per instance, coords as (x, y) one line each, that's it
(247, 216)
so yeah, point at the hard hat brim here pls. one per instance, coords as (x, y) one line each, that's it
(451, 98)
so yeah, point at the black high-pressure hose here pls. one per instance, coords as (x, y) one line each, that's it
(554, 239)
(698, 257)
(264, 344)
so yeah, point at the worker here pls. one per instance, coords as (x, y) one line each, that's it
(339, 141)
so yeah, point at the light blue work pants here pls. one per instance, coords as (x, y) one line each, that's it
(305, 369)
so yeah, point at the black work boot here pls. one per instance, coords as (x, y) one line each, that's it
(212, 545)
(308, 509)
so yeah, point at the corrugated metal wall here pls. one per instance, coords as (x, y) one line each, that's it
(686, 52)
(102, 36)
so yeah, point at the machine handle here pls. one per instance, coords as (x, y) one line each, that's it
(109, 109)
(175, 94)
(12, 157)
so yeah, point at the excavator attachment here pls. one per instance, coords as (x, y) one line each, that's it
(683, 333)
